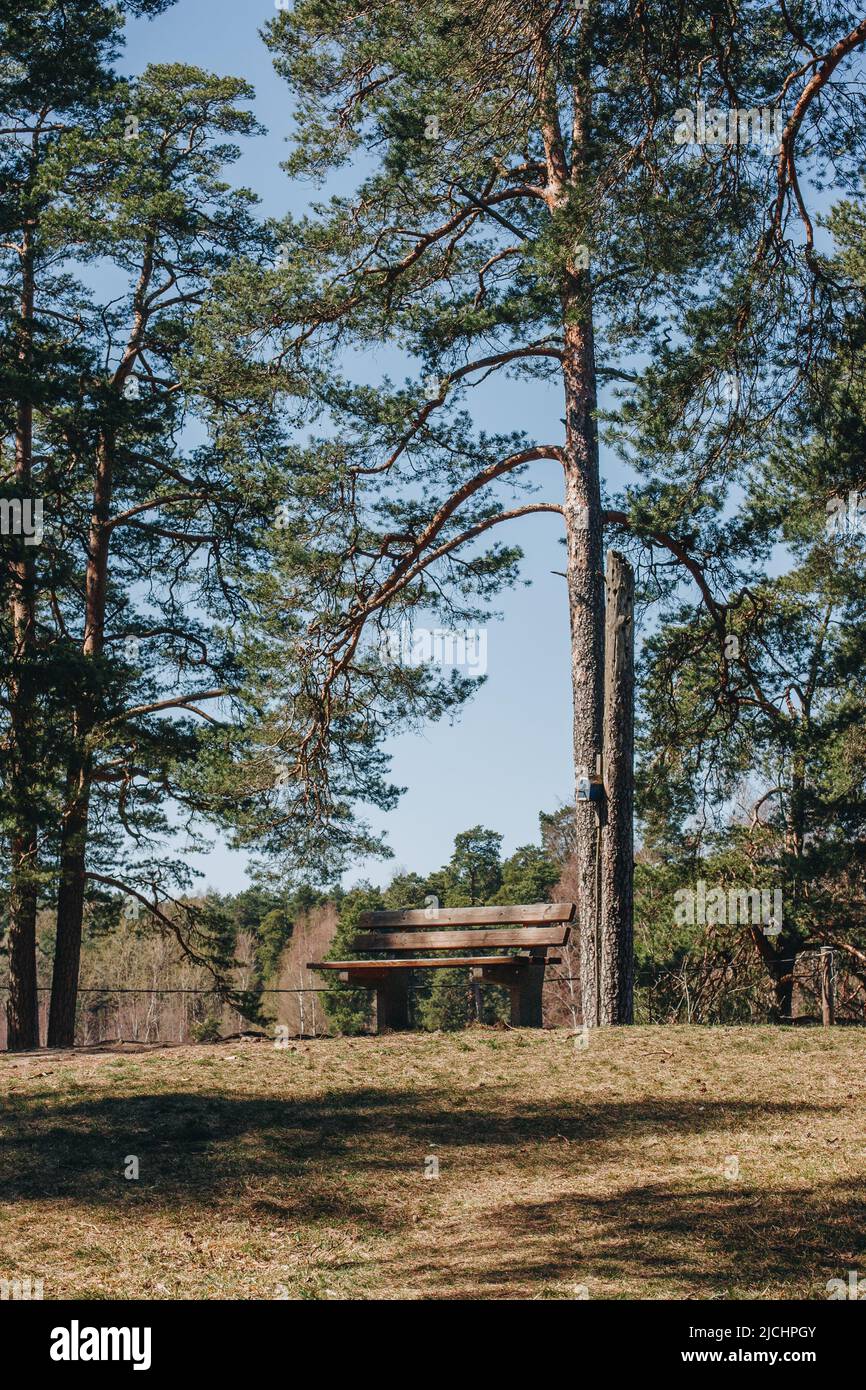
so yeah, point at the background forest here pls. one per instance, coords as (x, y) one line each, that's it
(243, 452)
(139, 986)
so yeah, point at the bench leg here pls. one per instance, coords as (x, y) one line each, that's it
(526, 997)
(392, 1002)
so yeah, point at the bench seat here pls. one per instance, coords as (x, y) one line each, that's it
(434, 963)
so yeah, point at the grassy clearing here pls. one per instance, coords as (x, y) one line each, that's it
(268, 1173)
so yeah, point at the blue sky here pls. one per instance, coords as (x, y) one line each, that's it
(509, 756)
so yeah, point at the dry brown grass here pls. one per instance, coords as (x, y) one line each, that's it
(300, 1172)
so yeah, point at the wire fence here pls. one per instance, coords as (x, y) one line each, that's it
(670, 996)
(155, 989)
(203, 1013)
(302, 989)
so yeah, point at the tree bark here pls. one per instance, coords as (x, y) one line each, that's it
(780, 962)
(70, 915)
(22, 1009)
(23, 1005)
(783, 982)
(73, 848)
(582, 503)
(617, 851)
(583, 530)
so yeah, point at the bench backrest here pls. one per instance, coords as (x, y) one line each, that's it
(532, 924)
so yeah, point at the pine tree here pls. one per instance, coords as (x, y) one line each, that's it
(540, 196)
(55, 79)
(143, 416)
(176, 520)
(777, 714)
(350, 1010)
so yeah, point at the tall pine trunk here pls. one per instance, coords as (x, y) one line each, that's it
(617, 858)
(73, 848)
(23, 1005)
(584, 540)
(22, 1010)
(584, 522)
(73, 863)
(70, 909)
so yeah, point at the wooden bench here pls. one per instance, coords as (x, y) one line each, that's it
(531, 929)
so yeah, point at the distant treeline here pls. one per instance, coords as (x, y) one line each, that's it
(137, 983)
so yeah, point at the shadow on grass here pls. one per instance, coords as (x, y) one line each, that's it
(71, 1147)
(356, 1157)
(656, 1242)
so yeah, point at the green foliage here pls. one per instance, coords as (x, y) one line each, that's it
(753, 764)
(350, 1010)
(208, 1030)
(226, 665)
(147, 402)
(477, 876)
(474, 872)
(528, 876)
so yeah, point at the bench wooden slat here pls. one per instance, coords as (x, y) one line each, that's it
(438, 962)
(458, 940)
(526, 913)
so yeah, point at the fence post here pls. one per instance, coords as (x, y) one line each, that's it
(828, 1007)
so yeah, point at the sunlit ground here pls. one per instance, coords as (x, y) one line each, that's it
(681, 1163)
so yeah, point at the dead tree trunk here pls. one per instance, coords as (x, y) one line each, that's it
(617, 850)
